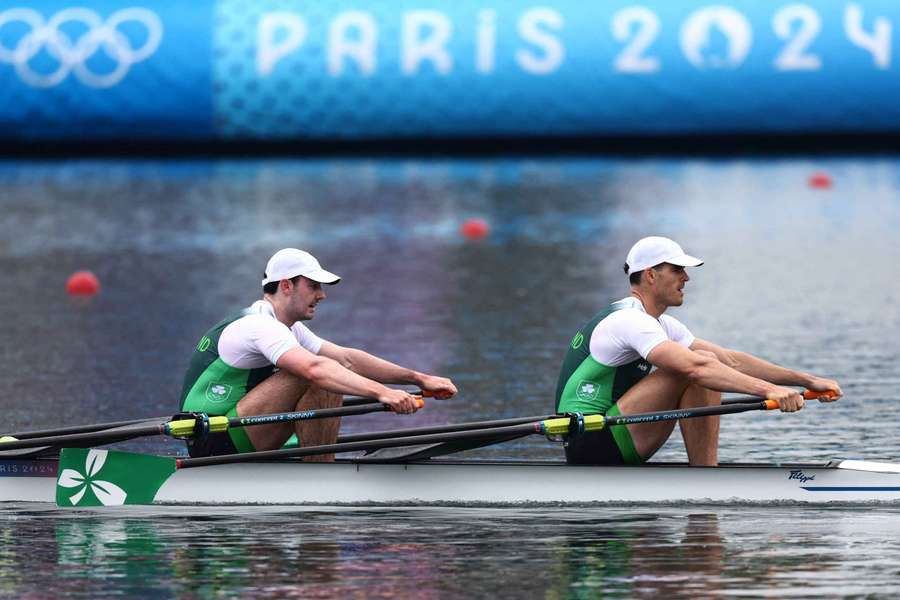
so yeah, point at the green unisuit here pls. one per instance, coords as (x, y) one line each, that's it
(213, 387)
(587, 386)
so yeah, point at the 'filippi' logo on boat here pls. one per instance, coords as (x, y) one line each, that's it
(800, 476)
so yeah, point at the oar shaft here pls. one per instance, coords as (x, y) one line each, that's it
(92, 427)
(27, 435)
(358, 401)
(741, 400)
(413, 440)
(304, 415)
(688, 413)
(396, 433)
(86, 438)
(185, 427)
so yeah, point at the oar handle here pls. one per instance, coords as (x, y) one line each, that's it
(811, 395)
(807, 394)
(359, 401)
(430, 394)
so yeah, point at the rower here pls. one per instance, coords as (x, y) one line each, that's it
(264, 360)
(607, 368)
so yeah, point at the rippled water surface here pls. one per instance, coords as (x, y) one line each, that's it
(804, 277)
(430, 553)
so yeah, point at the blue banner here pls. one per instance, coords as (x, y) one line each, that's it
(362, 69)
(113, 70)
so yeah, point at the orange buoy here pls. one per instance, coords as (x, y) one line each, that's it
(820, 181)
(82, 283)
(475, 229)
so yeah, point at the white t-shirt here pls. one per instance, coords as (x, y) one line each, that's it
(259, 339)
(630, 333)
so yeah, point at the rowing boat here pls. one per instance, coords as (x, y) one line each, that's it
(474, 482)
(406, 467)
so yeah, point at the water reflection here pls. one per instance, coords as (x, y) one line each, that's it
(642, 556)
(550, 553)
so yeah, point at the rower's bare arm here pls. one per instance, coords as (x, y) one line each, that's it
(328, 374)
(378, 369)
(761, 369)
(706, 370)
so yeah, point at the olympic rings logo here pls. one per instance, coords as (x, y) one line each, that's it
(71, 56)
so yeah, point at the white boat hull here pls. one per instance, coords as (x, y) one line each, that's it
(491, 483)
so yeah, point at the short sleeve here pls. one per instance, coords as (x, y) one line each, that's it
(623, 334)
(254, 341)
(677, 331)
(306, 338)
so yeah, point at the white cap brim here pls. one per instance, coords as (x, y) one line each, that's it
(323, 276)
(319, 276)
(685, 260)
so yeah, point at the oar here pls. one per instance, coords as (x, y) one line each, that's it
(186, 427)
(379, 435)
(807, 394)
(92, 427)
(27, 435)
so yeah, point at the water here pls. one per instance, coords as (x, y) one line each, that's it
(623, 552)
(803, 277)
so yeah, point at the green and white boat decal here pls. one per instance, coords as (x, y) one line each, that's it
(91, 477)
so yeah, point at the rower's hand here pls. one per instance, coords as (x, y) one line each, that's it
(440, 387)
(789, 400)
(820, 384)
(401, 402)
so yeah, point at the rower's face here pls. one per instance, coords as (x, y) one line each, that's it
(670, 284)
(305, 295)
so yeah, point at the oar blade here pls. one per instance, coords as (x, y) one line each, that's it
(93, 477)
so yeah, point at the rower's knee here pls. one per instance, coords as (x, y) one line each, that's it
(695, 395)
(671, 380)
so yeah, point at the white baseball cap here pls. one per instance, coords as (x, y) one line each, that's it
(290, 262)
(654, 250)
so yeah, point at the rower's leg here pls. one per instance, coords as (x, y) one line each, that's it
(660, 390)
(320, 431)
(278, 393)
(700, 434)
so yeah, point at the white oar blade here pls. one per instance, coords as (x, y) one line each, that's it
(870, 466)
